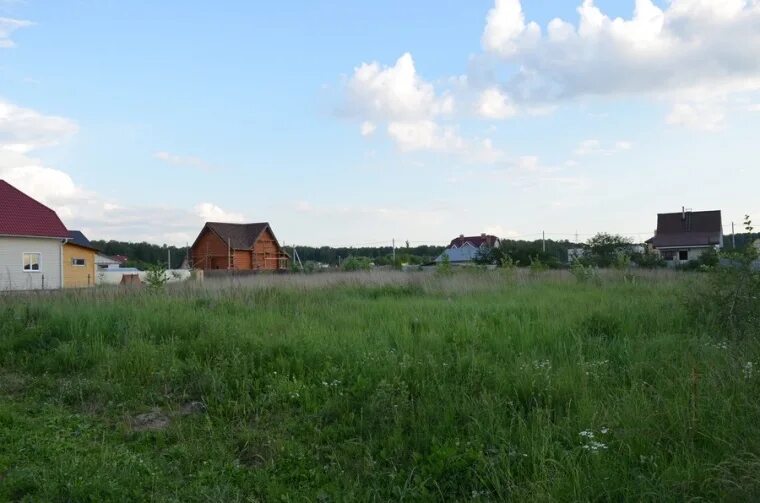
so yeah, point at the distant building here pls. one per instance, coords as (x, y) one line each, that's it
(31, 242)
(574, 254)
(103, 261)
(244, 247)
(464, 250)
(79, 264)
(686, 235)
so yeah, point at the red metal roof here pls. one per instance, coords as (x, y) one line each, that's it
(20, 215)
(476, 241)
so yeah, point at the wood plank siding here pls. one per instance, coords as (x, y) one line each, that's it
(78, 266)
(212, 251)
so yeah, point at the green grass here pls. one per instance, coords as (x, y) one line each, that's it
(339, 388)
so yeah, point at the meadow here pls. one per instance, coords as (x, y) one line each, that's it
(377, 387)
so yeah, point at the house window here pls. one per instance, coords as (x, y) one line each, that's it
(668, 254)
(683, 255)
(78, 262)
(31, 262)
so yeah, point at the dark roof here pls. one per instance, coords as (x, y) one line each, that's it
(79, 239)
(239, 236)
(476, 241)
(688, 228)
(20, 215)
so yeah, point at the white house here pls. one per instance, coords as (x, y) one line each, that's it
(31, 243)
(465, 249)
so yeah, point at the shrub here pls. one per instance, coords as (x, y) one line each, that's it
(583, 273)
(648, 260)
(536, 265)
(357, 264)
(730, 300)
(156, 277)
(444, 267)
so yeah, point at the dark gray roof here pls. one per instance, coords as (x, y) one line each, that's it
(688, 228)
(79, 239)
(240, 236)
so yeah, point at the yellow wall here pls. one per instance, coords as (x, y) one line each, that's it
(77, 276)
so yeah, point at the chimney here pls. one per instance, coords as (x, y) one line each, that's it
(683, 212)
(483, 235)
(461, 236)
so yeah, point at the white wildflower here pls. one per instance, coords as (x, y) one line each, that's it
(748, 368)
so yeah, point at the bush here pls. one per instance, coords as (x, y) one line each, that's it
(444, 267)
(357, 264)
(156, 277)
(536, 265)
(583, 273)
(730, 300)
(648, 260)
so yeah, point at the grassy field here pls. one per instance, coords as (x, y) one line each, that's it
(377, 387)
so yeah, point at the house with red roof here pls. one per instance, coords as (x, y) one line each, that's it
(31, 243)
(464, 250)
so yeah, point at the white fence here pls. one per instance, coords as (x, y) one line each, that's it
(113, 276)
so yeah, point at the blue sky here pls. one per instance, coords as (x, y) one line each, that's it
(139, 120)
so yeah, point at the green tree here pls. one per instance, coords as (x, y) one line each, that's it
(605, 250)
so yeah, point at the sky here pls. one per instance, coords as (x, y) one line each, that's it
(347, 123)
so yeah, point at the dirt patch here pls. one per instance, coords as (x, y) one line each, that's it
(192, 408)
(154, 420)
(12, 384)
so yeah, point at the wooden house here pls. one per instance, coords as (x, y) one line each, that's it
(242, 247)
(79, 261)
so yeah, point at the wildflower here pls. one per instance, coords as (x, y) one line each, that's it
(748, 368)
(587, 434)
(604, 430)
(595, 446)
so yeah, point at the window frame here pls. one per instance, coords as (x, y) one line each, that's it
(681, 253)
(74, 262)
(31, 270)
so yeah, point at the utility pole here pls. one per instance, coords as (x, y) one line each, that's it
(168, 258)
(394, 250)
(733, 237)
(543, 241)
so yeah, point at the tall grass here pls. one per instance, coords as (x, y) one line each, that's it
(377, 387)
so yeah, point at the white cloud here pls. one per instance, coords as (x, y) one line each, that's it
(754, 108)
(23, 130)
(698, 116)
(506, 32)
(493, 104)
(409, 108)
(7, 27)
(499, 231)
(595, 147)
(427, 135)
(368, 128)
(394, 93)
(210, 212)
(184, 160)
(695, 47)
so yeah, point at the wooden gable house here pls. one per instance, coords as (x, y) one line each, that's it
(242, 247)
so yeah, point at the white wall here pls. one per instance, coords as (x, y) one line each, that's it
(113, 276)
(12, 274)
